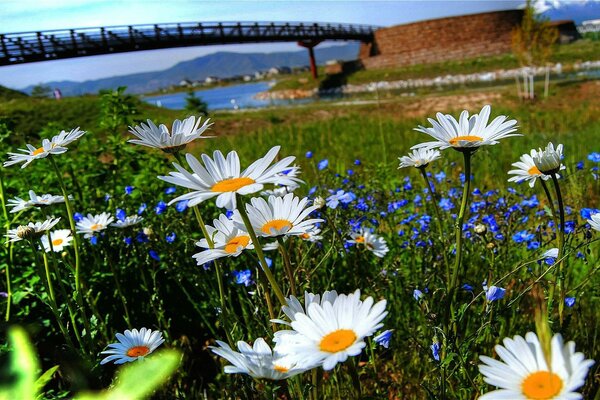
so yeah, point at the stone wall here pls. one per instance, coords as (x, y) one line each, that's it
(443, 39)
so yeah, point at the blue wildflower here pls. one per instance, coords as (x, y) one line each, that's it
(170, 238)
(128, 241)
(243, 277)
(323, 164)
(570, 301)
(121, 214)
(170, 190)
(440, 176)
(77, 217)
(383, 339)
(182, 205)
(579, 165)
(467, 287)
(446, 204)
(160, 208)
(357, 162)
(417, 294)
(308, 154)
(154, 255)
(129, 190)
(107, 197)
(142, 208)
(522, 236)
(493, 293)
(94, 240)
(435, 350)
(594, 157)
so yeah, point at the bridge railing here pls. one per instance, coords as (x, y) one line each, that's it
(49, 45)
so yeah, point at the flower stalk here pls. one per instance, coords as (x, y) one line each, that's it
(560, 279)
(467, 153)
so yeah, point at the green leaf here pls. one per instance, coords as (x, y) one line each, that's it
(43, 380)
(139, 379)
(21, 380)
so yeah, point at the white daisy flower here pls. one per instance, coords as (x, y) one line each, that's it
(60, 239)
(330, 332)
(258, 361)
(32, 230)
(282, 190)
(221, 177)
(294, 306)
(594, 221)
(279, 216)
(93, 224)
(374, 243)
(524, 373)
(127, 222)
(132, 345)
(419, 158)
(467, 133)
(63, 139)
(312, 235)
(527, 171)
(159, 137)
(55, 146)
(548, 160)
(20, 204)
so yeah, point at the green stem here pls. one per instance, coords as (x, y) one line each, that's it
(438, 215)
(287, 264)
(47, 282)
(459, 220)
(9, 249)
(68, 206)
(119, 290)
(561, 248)
(257, 247)
(355, 378)
(218, 270)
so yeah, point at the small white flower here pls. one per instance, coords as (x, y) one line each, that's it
(279, 216)
(221, 177)
(133, 345)
(331, 332)
(594, 221)
(127, 222)
(55, 146)
(32, 230)
(552, 253)
(525, 374)
(312, 235)
(467, 133)
(19, 204)
(374, 243)
(526, 170)
(60, 239)
(93, 224)
(419, 158)
(159, 137)
(258, 361)
(548, 160)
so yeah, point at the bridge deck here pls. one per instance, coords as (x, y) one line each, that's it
(17, 48)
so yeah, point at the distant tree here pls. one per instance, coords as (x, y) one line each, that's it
(41, 91)
(195, 104)
(533, 43)
(117, 109)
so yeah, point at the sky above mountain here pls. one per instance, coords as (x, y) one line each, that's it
(34, 15)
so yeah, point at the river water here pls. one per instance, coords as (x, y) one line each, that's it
(224, 98)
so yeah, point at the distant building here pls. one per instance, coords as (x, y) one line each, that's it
(211, 79)
(247, 78)
(259, 75)
(567, 31)
(185, 82)
(592, 25)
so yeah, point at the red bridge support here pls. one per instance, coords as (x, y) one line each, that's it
(310, 44)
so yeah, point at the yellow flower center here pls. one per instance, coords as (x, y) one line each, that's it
(337, 340)
(276, 224)
(454, 141)
(360, 239)
(305, 236)
(231, 185)
(232, 246)
(541, 385)
(95, 227)
(38, 151)
(138, 351)
(280, 368)
(534, 171)
(57, 242)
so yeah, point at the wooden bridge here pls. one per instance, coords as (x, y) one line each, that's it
(27, 47)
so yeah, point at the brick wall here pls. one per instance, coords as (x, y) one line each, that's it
(444, 39)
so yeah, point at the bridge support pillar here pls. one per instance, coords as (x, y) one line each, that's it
(310, 45)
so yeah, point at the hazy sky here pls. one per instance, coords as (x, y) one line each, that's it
(35, 15)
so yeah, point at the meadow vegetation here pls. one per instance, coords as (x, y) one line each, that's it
(145, 276)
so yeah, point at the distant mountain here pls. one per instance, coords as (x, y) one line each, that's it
(220, 64)
(578, 11)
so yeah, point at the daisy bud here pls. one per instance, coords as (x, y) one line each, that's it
(480, 229)
(26, 232)
(548, 160)
(148, 231)
(319, 202)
